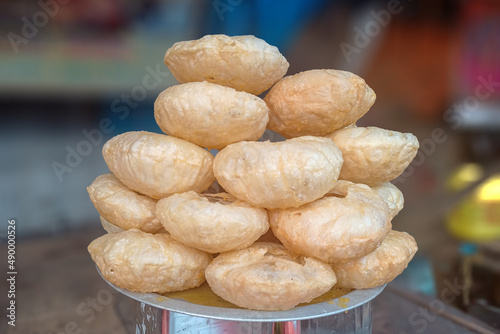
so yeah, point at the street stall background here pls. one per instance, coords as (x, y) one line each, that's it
(75, 73)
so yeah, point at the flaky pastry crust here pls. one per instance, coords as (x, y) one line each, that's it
(245, 63)
(349, 222)
(210, 115)
(144, 262)
(279, 175)
(213, 223)
(317, 102)
(379, 267)
(158, 165)
(266, 276)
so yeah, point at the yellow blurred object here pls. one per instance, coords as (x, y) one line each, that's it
(490, 191)
(464, 176)
(477, 217)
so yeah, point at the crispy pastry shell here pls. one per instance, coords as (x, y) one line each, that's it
(279, 175)
(244, 63)
(266, 276)
(145, 262)
(158, 165)
(379, 267)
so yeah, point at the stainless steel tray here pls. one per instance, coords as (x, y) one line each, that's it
(355, 298)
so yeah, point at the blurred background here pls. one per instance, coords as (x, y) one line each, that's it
(75, 73)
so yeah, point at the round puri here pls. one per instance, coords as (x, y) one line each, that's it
(317, 102)
(379, 267)
(144, 262)
(244, 63)
(110, 228)
(213, 223)
(279, 175)
(210, 115)
(392, 196)
(349, 222)
(373, 155)
(158, 165)
(122, 206)
(266, 276)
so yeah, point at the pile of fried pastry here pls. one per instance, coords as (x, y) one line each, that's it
(268, 225)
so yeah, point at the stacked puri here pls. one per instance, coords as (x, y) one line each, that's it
(324, 191)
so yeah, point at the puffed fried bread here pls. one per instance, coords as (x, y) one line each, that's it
(349, 222)
(214, 223)
(317, 102)
(144, 262)
(245, 63)
(373, 155)
(157, 165)
(379, 267)
(266, 276)
(121, 206)
(279, 175)
(210, 115)
(392, 196)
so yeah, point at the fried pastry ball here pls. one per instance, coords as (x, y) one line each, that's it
(392, 196)
(244, 63)
(122, 206)
(317, 102)
(210, 115)
(374, 155)
(110, 228)
(379, 267)
(144, 262)
(349, 222)
(158, 165)
(279, 175)
(213, 223)
(266, 276)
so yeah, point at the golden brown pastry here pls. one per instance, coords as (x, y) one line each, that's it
(392, 196)
(210, 115)
(379, 267)
(158, 165)
(110, 228)
(349, 222)
(122, 206)
(244, 63)
(266, 276)
(373, 155)
(213, 223)
(317, 102)
(279, 175)
(144, 262)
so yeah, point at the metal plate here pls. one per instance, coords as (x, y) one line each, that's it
(356, 298)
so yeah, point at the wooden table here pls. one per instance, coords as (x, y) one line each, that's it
(59, 291)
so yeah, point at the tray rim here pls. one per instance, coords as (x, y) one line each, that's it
(356, 299)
